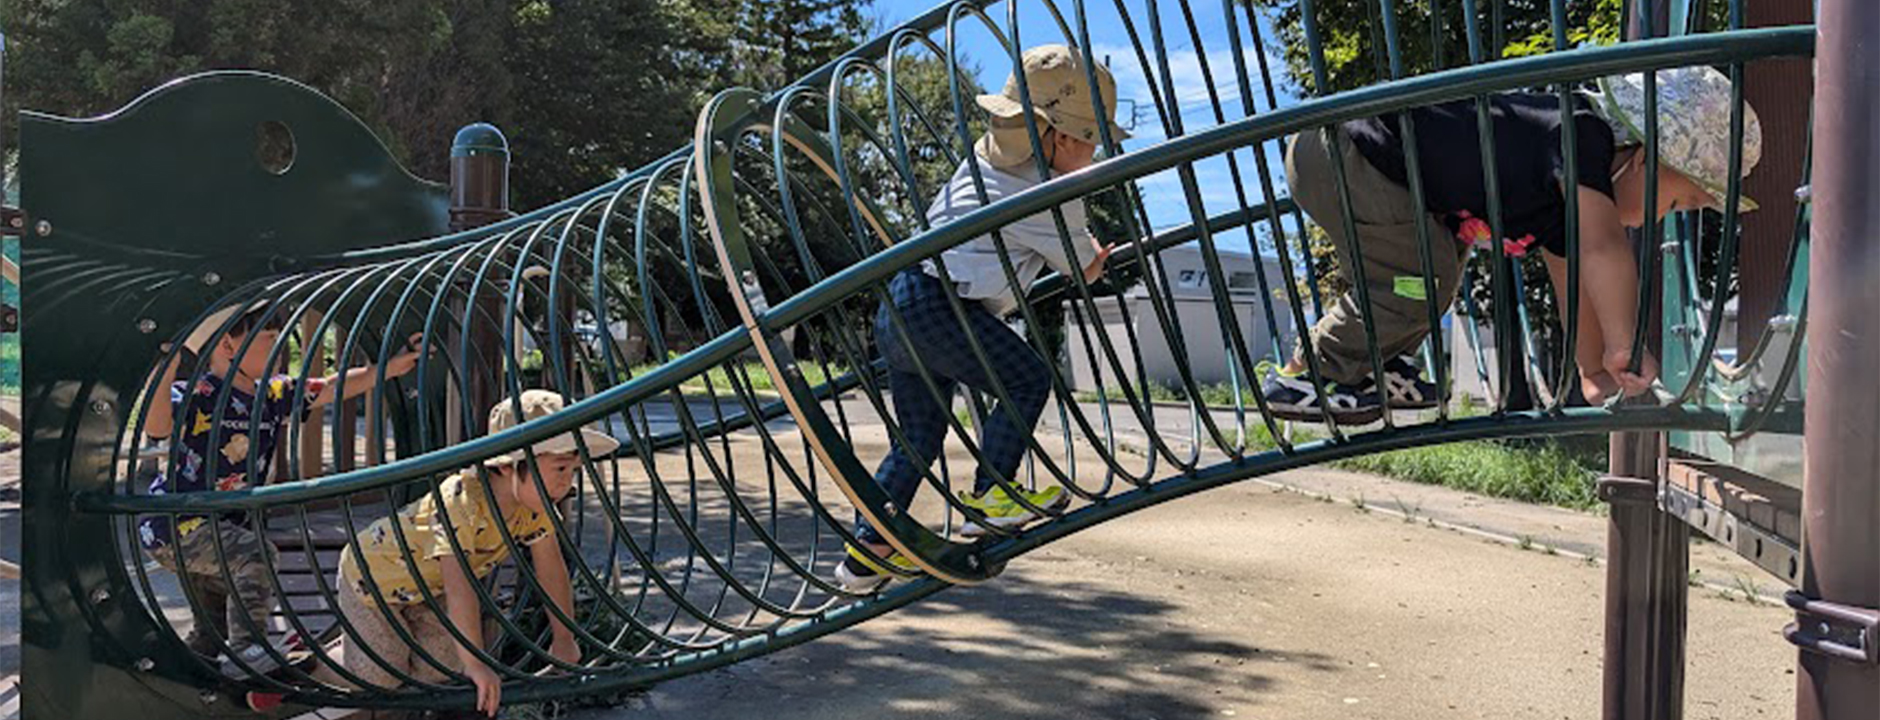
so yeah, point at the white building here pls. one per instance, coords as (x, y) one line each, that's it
(1191, 312)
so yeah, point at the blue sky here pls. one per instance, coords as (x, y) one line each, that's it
(1162, 192)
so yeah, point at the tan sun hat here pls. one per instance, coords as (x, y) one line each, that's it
(1060, 94)
(1693, 124)
(538, 404)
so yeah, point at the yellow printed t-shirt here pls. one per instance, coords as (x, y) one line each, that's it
(470, 516)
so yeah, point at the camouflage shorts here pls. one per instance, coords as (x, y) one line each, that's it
(196, 560)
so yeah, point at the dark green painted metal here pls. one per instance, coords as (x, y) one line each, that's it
(162, 156)
(711, 562)
(479, 139)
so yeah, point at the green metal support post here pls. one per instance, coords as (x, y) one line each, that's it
(1838, 606)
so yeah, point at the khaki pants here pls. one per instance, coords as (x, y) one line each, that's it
(194, 557)
(1384, 219)
(374, 628)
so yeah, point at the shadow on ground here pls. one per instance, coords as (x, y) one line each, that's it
(1006, 649)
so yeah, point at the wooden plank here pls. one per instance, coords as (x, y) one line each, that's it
(295, 560)
(375, 444)
(313, 431)
(346, 412)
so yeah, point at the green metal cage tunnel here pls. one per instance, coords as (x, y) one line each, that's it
(714, 311)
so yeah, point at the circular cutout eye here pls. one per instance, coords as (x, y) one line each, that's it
(274, 147)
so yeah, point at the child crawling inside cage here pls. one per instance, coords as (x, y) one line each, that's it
(1694, 149)
(1067, 122)
(234, 415)
(410, 573)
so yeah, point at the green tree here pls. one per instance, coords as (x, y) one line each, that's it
(773, 43)
(84, 57)
(598, 88)
(1352, 35)
(585, 88)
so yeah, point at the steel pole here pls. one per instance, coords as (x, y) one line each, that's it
(1841, 479)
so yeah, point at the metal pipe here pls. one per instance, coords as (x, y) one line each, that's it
(1841, 479)
(1646, 596)
(1648, 553)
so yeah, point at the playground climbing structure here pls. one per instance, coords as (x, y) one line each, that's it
(711, 309)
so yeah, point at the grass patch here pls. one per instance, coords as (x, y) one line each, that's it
(1554, 470)
(754, 376)
(965, 416)
(1546, 471)
(1215, 395)
(751, 374)
(10, 364)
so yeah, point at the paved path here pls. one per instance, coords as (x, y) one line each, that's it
(1258, 603)
(1252, 602)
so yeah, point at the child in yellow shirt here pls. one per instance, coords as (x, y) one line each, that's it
(431, 567)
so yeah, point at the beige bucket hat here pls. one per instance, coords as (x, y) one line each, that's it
(538, 404)
(1693, 124)
(1060, 94)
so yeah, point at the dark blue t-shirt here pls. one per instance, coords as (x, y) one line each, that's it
(250, 427)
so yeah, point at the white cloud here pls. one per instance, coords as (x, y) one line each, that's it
(1191, 96)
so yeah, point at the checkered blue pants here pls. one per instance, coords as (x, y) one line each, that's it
(936, 336)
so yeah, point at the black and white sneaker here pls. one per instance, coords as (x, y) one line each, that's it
(1406, 386)
(259, 662)
(1295, 398)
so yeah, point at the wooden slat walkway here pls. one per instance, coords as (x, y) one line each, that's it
(327, 530)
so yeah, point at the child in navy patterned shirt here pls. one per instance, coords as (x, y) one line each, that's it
(233, 416)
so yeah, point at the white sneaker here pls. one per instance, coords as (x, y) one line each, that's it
(859, 574)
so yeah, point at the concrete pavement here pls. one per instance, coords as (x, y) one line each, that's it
(1246, 601)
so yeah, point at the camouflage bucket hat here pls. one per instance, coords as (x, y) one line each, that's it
(538, 404)
(1693, 124)
(1060, 94)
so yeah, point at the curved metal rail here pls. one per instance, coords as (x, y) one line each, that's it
(751, 263)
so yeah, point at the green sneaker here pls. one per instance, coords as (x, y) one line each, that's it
(1005, 513)
(860, 573)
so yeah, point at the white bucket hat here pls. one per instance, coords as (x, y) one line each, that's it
(1693, 124)
(1060, 94)
(537, 404)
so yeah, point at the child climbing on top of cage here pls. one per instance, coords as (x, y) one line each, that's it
(451, 537)
(1067, 123)
(1692, 172)
(245, 429)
